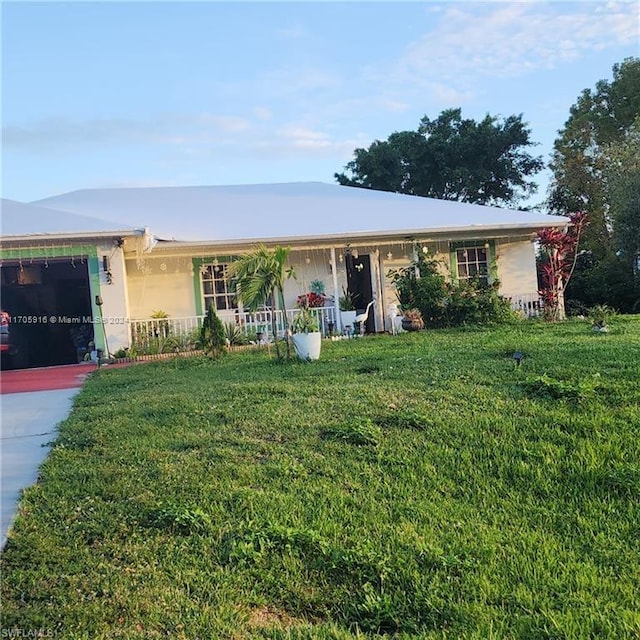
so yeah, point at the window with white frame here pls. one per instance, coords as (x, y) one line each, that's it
(217, 288)
(473, 263)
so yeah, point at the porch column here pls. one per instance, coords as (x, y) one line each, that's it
(336, 292)
(378, 290)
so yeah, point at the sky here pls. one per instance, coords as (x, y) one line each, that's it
(122, 94)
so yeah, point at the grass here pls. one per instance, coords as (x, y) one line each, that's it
(416, 486)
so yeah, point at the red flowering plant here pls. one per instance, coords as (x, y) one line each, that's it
(559, 255)
(310, 300)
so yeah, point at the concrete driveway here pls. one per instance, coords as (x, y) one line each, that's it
(32, 404)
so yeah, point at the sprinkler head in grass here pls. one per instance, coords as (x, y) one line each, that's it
(518, 356)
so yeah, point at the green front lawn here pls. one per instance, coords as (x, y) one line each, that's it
(420, 486)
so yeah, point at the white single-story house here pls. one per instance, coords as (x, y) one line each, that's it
(164, 251)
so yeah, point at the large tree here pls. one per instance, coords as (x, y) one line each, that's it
(451, 158)
(588, 167)
(622, 178)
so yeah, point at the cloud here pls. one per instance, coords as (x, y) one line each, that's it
(292, 79)
(295, 139)
(447, 94)
(227, 124)
(57, 134)
(510, 39)
(389, 104)
(262, 113)
(55, 131)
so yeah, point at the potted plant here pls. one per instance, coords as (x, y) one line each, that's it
(412, 320)
(347, 305)
(306, 338)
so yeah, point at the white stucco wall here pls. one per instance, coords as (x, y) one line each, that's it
(517, 268)
(164, 284)
(114, 313)
(317, 268)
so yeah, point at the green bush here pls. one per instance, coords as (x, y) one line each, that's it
(234, 334)
(213, 337)
(443, 303)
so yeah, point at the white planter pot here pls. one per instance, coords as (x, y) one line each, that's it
(307, 345)
(348, 319)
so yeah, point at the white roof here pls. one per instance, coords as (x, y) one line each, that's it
(26, 220)
(286, 211)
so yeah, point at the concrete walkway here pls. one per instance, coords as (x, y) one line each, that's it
(32, 404)
(29, 422)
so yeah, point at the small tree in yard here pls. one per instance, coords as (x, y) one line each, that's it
(212, 335)
(559, 253)
(259, 278)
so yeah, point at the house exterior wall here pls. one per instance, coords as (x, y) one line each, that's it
(172, 283)
(164, 284)
(516, 262)
(309, 267)
(113, 289)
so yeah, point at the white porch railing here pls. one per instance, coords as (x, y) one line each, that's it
(181, 334)
(175, 334)
(529, 304)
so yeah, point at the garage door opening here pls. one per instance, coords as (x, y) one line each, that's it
(49, 302)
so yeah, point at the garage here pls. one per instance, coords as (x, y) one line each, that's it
(63, 284)
(49, 302)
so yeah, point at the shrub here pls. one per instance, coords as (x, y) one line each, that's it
(472, 302)
(426, 292)
(234, 334)
(599, 315)
(422, 286)
(212, 335)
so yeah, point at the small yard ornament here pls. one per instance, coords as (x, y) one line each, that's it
(518, 356)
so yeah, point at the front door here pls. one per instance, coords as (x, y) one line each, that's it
(359, 285)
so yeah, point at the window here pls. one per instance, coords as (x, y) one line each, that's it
(473, 264)
(217, 290)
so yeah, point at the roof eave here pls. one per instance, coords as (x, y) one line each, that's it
(81, 235)
(400, 234)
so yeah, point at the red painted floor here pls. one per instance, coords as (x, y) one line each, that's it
(44, 379)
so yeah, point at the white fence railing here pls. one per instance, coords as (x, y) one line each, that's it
(178, 333)
(529, 304)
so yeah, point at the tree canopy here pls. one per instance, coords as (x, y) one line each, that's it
(451, 158)
(595, 169)
(622, 177)
(598, 122)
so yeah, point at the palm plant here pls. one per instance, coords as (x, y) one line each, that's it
(260, 276)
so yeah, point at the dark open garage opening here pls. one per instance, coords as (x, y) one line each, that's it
(49, 302)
